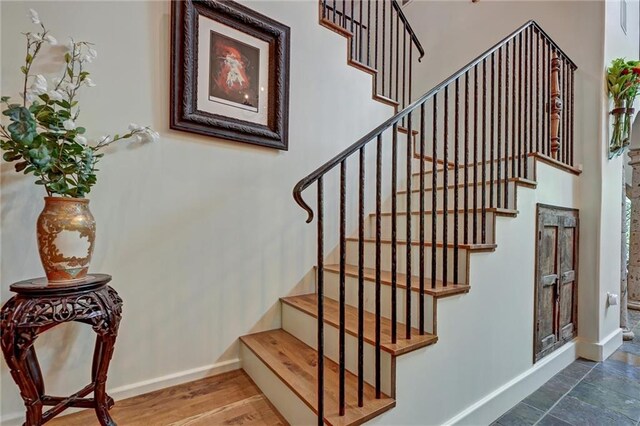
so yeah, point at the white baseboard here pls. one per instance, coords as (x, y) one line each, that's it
(489, 408)
(146, 386)
(599, 351)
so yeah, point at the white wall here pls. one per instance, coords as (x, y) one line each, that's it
(201, 235)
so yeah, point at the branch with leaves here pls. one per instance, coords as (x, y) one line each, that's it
(42, 136)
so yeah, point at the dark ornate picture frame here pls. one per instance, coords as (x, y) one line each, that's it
(185, 115)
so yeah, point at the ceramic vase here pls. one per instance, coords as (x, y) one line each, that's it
(66, 234)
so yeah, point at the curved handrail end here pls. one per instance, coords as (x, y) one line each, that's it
(297, 195)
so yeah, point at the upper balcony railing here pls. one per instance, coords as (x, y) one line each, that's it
(381, 41)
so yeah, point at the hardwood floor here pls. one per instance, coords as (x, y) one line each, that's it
(227, 399)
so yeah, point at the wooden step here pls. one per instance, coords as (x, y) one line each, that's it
(308, 303)
(520, 181)
(439, 291)
(295, 364)
(470, 247)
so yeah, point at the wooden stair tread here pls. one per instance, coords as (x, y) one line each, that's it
(308, 303)
(386, 278)
(519, 181)
(296, 365)
(495, 210)
(471, 247)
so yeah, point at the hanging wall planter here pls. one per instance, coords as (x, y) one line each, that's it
(623, 83)
(620, 130)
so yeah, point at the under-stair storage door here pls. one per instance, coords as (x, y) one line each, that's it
(556, 283)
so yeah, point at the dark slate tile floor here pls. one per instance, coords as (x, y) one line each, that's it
(587, 393)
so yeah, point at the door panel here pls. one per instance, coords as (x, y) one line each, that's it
(555, 290)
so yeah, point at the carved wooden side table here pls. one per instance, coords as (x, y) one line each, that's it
(37, 308)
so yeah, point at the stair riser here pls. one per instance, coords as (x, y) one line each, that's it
(401, 227)
(385, 258)
(305, 328)
(415, 198)
(290, 406)
(332, 290)
(451, 174)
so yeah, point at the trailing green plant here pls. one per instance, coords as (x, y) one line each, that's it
(623, 83)
(42, 136)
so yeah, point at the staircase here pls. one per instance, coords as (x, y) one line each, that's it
(467, 146)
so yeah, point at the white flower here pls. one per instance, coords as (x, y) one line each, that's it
(81, 139)
(152, 135)
(51, 39)
(34, 16)
(39, 85)
(89, 82)
(70, 45)
(133, 127)
(55, 95)
(69, 124)
(30, 96)
(104, 140)
(34, 36)
(92, 53)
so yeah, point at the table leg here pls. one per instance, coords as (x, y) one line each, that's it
(23, 364)
(101, 359)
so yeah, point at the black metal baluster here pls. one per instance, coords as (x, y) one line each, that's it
(434, 194)
(378, 261)
(483, 200)
(384, 35)
(344, 14)
(445, 185)
(545, 99)
(499, 132)
(466, 158)
(571, 118)
(361, 279)
(404, 68)
(421, 278)
(397, 98)
(565, 111)
(360, 37)
(492, 157)
(538, 93)
(408, 271)
(320, 291)
(520, 105)
(390, 94)
(334, 11)
(394, 236)
(352, 17)
(324, 9)
(475, 154)
(514, 122)
(410, 71)
(369, 31)
(530, 99)
(343, 256)
(456, 154)
(506, 128)
(525, 117)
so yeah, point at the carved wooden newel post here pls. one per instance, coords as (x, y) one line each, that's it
(633, 277)
(556, 105)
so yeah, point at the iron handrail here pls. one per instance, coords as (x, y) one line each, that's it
(372, 135)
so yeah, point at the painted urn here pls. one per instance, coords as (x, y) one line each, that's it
(66, 234)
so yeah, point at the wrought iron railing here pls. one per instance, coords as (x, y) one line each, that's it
(382, 41)
(479, 128)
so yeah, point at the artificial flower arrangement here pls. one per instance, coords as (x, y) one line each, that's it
(43, 138)
(623, 83)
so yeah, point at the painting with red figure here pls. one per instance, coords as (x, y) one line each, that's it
(234, 73)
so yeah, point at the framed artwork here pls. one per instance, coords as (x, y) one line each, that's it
(229, 73)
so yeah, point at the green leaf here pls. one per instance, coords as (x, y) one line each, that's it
(11, 156)
(5, 99)
(67, 57)
(69, 72)
(21, 166)
(80, 130)
(24, 70)
(29, 58)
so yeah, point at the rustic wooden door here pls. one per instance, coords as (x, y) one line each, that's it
(556, 279)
